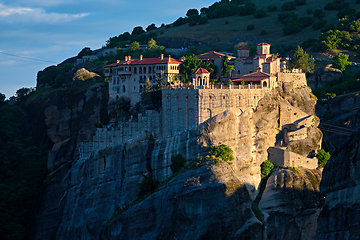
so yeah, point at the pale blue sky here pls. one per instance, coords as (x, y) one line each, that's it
(54, 30)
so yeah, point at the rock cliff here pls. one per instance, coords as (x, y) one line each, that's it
(211, 202)
(339, 218)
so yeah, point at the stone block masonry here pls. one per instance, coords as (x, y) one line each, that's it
(284, 158)
(184, 109)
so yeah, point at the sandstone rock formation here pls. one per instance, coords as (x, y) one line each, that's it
(339, 219)
(211, 202)
(323, 76)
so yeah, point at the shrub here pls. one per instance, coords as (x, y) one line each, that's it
(250, 27)
(318, 13)
(340, 61)
(147, 186)
(248, 9)
(180, 21)
(177, 162)
(263, 32)
(286, 16)
(288, 6)
(272, 8)
(259, 13)
(345, 13)
(226, 22)
(203, 20)
(319, 24)
(223, 152)
(292, 27)
(309, 11)
(306, 21)
(328, 27)
(266, 168)
(300, 2)
(322, 157)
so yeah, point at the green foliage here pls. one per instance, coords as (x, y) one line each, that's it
(267, 168)
(203, 20)
(84, 52)
(286, 17)
(322, 157)
(147, 186)
(263, 32)
(227, 68)
(248, 9)
(190, 64)
(336, 5)
(292, 27)
(318, 13)
(223, 152)
(259, 13)
(272, 8)
(319, 24)
(134, 46)
(22, 93)
(301, 60)
(137, 31)
(177, 162)
(250, 27)
(340, 61)
(180, 21)
(151, 27)
(300, 2)
(152, 44)
(288, 6)
(23, 169)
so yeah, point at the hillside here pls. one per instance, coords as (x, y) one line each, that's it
(235, 32)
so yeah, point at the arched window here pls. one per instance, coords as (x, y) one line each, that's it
(264, 84)
(124, 89)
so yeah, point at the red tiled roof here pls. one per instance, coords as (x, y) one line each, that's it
(201, 70)
(146, 61)
(247, 79)
(212, 55)
(258, 75)
(260, 44)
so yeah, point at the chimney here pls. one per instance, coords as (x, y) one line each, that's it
(126, 58)
(169, 57)
(129, 57)
(162, 56)
(117, 61)
(141, 57)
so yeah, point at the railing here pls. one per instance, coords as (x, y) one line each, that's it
(215, 87)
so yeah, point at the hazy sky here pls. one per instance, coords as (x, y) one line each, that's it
(54, 30)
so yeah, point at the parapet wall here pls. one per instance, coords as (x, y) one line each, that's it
(296, 79)
(284, 158)
(146, 126)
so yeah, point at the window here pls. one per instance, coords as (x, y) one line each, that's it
(124, 90)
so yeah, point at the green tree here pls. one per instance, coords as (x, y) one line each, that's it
(301, 60)
(2, 99)
(322, 157)
(137, 31)
(340, 61)
(177, 162)
(190, 64)
(134, 46)
(152, 44)
(266, 168)
(223, 152)
(227, 68)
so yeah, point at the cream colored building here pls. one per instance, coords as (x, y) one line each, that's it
(127, 78)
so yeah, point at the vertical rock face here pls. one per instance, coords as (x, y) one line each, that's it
(211, 202)
(291, 204)
(339, 218)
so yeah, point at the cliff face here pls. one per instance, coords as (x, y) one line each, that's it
(339, 218)
(210, 202)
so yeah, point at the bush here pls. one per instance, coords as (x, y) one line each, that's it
(309, 11)
(223, 152)
(272, 8)
(319, 24)
(288, 6)
(180, 21)
(300, 2)
(345, 13)
(322, 157)
(250, 27)
(147, 186)
(266, 168)
(286, 16)
(306, 21)
(328, 27)
(292, 27)
(203, 20)
(248, 9)
(340, 61)
(177, 162)
(318, 13)
(263, 32)
(259, 13)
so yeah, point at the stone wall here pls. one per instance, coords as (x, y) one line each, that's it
(297, 79)
(183, 109)
(284, 158)
(146, 126)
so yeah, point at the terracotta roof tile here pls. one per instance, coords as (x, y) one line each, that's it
(146, 61)
(260, 44)
(201, 70)
(258, 75)
(212, 55)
